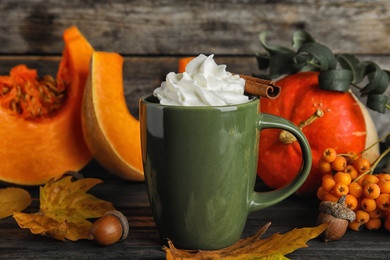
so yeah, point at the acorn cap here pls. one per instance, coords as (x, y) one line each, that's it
(338, 209)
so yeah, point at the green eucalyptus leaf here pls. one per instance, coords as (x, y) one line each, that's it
(368, 67)
(306, 67)
(335, 80)
(378, 82)
(305, 62)
(377, 102)
(280, 64)
(273, 49)
(378, 78)
(318, 54)
(262, 61)
(301, 37)
(388, 73)
(350, 62)
(304, 58)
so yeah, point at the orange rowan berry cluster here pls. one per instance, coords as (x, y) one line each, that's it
(367, 194)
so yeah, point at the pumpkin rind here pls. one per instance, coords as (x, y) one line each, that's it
(111, 132)
(342, 127)
(34, 151)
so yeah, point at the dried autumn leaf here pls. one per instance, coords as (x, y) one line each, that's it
(13, 199)
(64, 209)
(274, 247)
(41, 224)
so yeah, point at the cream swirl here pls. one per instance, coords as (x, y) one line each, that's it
(204, 83)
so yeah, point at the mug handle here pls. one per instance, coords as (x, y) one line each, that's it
(261, 200)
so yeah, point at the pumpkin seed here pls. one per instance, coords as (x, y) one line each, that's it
(34, 99)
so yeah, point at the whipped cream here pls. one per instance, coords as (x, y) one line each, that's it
(204, 83)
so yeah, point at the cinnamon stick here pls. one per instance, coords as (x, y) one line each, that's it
(260, 87)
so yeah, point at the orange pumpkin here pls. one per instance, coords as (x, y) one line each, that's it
(182, 64)
(41, 135)
(111, 132)
(342, 126)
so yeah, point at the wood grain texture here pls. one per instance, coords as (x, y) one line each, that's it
(144, 242)
(147, 27)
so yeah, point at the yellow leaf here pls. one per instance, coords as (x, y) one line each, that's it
(78, 230)
(64, 209)
(13, 199)
(274, 247)
(41, 224)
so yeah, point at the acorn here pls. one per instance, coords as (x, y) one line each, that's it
(338, 215)
(110, 228)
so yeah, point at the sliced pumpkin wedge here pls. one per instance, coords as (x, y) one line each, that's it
(111, 132)
(40, 141)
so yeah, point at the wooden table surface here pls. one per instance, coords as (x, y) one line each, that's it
(143, 241)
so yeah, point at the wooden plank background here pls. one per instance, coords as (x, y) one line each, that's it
(152, 35)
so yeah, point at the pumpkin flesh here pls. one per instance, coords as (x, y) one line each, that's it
(36, 150)
(111, 132)
(342, 127)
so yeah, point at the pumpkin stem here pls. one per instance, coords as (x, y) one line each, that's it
(287, 138)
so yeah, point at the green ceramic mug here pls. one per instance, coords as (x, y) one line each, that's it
(200, 168)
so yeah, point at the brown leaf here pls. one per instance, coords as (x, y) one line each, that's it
(64, 209)
(274, 247)
(13, 199)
